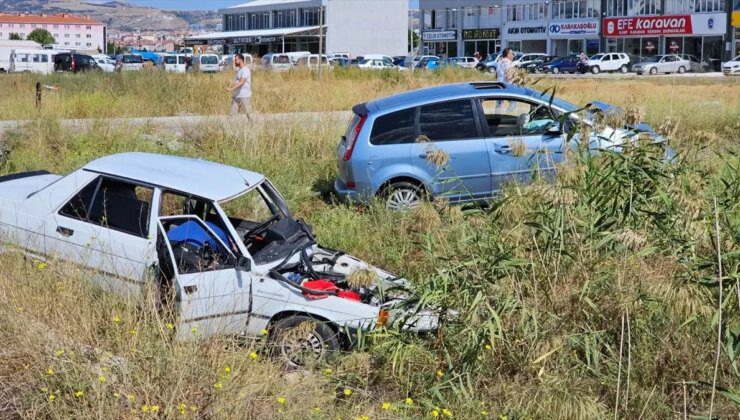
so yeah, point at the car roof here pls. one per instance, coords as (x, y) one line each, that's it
(202, 178)
(449, 91)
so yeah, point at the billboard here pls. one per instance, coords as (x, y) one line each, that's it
(697, 24)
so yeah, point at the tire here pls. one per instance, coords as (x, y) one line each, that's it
(623, 69)
(555, 70)
(320, 343)
(491, 69)
(595, 69)
(681, 70)
(653, 71)
(403, 195)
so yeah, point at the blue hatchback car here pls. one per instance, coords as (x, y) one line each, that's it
(488, 134)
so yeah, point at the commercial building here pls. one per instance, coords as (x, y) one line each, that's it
(69, 31)
(735, 28)
(641, 28)
(358, 27)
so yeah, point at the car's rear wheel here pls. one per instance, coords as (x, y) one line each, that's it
(653, 71)
(555, 70)
(623, 69)
(681, 70)
(595, 69)
(403, 195)
(300, 340)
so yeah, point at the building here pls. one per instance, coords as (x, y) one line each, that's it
(641, 28)
(734, 29)
(358, 27)
(69, 31)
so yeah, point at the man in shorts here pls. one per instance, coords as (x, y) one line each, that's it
(241, 90)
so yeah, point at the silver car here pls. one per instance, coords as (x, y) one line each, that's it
(696, 65)
(669, 63)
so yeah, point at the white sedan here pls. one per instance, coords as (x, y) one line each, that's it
(215, 243)
(731, 67)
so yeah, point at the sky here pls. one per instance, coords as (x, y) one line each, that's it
(204, 4)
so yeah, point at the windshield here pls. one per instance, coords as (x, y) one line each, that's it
(209, 59)
(596, 57)
(655, 59)
(281, 59)
(132, 59)
(736, 58)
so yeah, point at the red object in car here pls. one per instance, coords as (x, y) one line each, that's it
(322, 285)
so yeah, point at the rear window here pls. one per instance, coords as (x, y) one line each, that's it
(209, 59)
(448, 121)
(132, 59)
(394, 128)
(170, 60)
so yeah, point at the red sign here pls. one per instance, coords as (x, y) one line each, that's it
(647, 25)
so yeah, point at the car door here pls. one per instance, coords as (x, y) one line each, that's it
(451, 151)
(519, 140)
(106, 227)
(213, 294)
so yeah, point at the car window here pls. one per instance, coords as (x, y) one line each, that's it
(114, 204)
(452, 120)
(607, 57)
(394, 128)
(513, 117)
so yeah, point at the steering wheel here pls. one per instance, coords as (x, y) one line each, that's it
(262, 226)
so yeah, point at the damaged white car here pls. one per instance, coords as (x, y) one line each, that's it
(218, 244)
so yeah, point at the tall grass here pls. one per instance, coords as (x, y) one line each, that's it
(542, 279)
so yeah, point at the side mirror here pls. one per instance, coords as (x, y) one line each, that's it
(243, 263)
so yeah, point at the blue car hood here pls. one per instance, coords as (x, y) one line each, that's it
(616, 111)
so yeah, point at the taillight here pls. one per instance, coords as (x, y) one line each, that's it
(74, 64)
(352, 141)
(350, 184)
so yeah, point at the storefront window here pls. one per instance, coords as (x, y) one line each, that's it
(712, 52)
(650, 47)
(575, 46)
(674, 45)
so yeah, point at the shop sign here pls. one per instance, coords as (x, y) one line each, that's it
(527, 30)
(493, 33)
(439, 35)
(673, 46)
(697, 24)
(736, 18)
(216, 41)
(571, 28)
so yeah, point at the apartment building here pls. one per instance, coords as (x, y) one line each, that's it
(69, 31)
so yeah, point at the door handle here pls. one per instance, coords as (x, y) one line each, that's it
(423, 155)
(504, 150)
(189, 290)
(66, 232)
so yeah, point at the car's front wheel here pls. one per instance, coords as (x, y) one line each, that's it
(300, 340)
(623, 69)
(555, 70)
(681, 70)
(403, 196)
(654, 71)
(595, 69)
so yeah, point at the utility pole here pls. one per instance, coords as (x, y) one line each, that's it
(321, 37)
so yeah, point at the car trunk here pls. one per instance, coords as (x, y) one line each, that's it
(348, 141)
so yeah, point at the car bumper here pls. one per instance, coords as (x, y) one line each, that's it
(729, 72)
(349, 195)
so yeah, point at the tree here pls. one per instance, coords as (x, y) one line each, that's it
(42, 36)
(14, 36)
(113, 49)
(413, 40)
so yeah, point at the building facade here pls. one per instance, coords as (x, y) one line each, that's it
(641, 28)
(69, 31)
(358, 27)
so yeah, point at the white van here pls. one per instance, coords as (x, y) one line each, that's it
(207, 63)
(32, 61)
(175, 63)
(277, 62)
(312, 62)
(105, 63)
(295, 56)
(6, 46)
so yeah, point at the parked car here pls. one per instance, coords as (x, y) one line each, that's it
(533, 66)
(386, 148)
(669, 63)
(346, 62)
(731, 67)
(696, 65)
(339, 55)
(312, 61)
(378, 64)
(399, 60)
(277, 62)
(175, 63)
(295, 56)
(214, 243)
(607, 62)
(129, 62)
(415, 60)
(207, 63)
(32, 61)
(463, 62)
(526, 59)
(560, 65)
(70, 62)
(490, 64)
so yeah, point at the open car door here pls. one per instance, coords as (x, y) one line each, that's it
(212, 293)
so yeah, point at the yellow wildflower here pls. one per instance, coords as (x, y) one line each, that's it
(52, 397)
(227, 369)
(42, 265)
(440, 374)
(79, 394)
(363, 418)
(264, 332)
(193, 330)
(102, 379)
(280, 400)
(59, 352)
(130, 397)
(218, 385)
(170, 326)
(155, 409)
(328, 371)
(435, 413)
(133, 332)
(386, 406)
(182, 408)
(484, 413)
(316, 410)
(409, 401)
(447, 412)
(145, 408)
(116, 319)
(488, 347)
(49, 371)
(347, 392)
(253, 355)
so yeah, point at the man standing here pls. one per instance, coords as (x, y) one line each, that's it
(241, 90)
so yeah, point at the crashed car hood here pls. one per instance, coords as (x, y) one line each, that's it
(615, 111)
